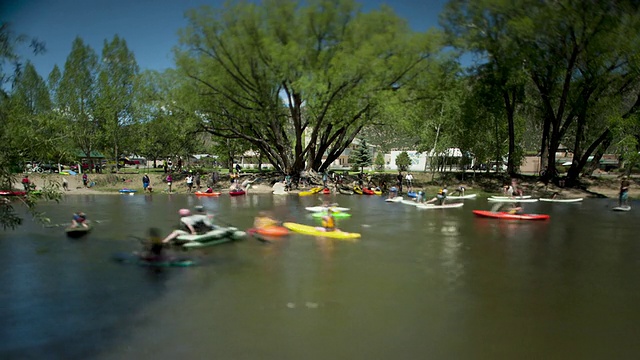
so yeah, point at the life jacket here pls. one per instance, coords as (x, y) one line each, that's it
(329, 223)
(263, 222)
(441, 192)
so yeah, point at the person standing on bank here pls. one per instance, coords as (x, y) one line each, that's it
(409, 179)
(399, 181)
(624, 192)
(169, 180)
(26, 182)
(145, 182)
(189, 182)
(196, 178)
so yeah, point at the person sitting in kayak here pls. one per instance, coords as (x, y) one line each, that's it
(419, 196)
(201, 221)
(155, 245)
(186, 225)
(393, 192)
(264, 220)
(510, 208)
(328, 221)
(209, 190)
(440, 197)
(516, 209)
(78, 219)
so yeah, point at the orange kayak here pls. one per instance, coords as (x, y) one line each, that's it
(270, 231)
(199, 193)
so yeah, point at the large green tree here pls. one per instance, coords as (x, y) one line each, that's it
(15, 108)
(115, 95)
(576, 55)
(164, 127)
(76, 96)
(299, 90)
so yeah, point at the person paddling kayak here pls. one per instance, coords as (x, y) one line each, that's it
(79, 219)
(328, 221)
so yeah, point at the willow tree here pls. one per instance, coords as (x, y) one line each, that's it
(299, 89)
(576, 54)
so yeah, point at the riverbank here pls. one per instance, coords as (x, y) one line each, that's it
(481, 183)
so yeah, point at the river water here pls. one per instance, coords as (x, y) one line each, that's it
(418, 284)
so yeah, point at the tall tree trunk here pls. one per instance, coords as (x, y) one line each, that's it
(509, 102)
(604, 140)
(544, 145)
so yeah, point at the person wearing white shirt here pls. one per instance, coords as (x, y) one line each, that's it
(409, 179)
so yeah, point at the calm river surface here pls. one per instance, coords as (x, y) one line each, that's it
(420, 284)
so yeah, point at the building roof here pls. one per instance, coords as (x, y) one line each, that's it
(94, 154)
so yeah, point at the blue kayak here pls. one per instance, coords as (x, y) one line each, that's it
(127, 191)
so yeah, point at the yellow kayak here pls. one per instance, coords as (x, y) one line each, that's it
(311, 191)
(312, 230)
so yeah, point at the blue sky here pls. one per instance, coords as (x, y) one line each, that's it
(149, 26)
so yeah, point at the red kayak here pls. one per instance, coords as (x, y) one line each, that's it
(237, 192)
(12, 193)
(509, 216)
(368, 191)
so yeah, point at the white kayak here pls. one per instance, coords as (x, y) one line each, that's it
(562, 200)
(622, 208)
(434, 206)
(324, 208)
(470, 196)
(395, 199)
(511, 197)
(409, 202)
(511, 200)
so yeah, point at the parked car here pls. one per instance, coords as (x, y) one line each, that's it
(49, 167)
(74, 167)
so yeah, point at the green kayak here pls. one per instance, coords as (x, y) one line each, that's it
(337, 215)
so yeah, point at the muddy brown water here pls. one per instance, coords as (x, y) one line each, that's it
(418, 284)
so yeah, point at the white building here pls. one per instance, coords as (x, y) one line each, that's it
(420, 160)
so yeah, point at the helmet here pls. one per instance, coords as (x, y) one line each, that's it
(184, 212)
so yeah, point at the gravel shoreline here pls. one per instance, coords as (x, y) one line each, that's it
(608, 188)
